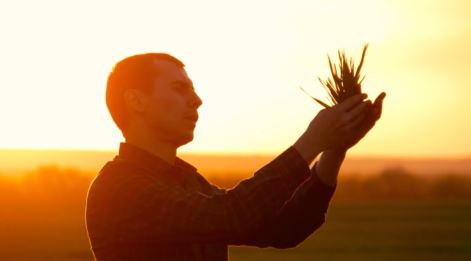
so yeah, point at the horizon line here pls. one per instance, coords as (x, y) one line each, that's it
(243, 154)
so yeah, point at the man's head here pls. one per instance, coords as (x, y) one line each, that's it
(152, 93)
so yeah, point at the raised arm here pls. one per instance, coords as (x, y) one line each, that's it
(305, 211)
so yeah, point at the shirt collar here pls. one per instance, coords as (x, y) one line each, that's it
(147, 159)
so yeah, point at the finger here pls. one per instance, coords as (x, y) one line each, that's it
(351, 102)
(378, 105)
(357, 111)
(357, 121)
(368, 123)
(380, 98)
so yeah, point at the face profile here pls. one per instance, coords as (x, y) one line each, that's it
(152, 100)
(169, 108)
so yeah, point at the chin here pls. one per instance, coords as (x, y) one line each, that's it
(184, 140)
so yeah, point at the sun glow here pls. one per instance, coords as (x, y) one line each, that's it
(247, 59)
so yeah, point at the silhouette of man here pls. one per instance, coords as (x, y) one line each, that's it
(148, 204)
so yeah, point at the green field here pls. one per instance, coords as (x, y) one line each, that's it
(353, 231)
(382, 231)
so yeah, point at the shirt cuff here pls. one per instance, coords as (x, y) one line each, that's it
(325, 191)
(291, 165)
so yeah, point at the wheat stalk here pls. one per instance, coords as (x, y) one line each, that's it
(345, 80)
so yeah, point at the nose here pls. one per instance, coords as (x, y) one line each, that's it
(195, 100)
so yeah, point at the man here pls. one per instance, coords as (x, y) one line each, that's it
(148, 204)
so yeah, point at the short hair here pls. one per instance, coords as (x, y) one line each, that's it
(137, 72)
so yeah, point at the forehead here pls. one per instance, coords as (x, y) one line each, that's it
(168, 71)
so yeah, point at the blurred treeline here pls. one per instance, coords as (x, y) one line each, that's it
(67, 187)
(394, 183)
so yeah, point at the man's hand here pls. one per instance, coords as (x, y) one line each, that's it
(363, 123)
(332, 127)
(327, 168)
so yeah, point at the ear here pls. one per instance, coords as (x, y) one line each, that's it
(134, 100)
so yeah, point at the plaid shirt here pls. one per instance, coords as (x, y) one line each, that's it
(139, 207)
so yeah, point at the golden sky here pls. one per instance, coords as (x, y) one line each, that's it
(247, 59)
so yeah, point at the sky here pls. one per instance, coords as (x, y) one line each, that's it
(247, 60)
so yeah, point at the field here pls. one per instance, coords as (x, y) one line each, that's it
(382, 231)
(391, 216)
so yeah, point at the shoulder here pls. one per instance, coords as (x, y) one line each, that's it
(117, 175)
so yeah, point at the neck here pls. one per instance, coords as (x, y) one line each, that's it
(159, 148)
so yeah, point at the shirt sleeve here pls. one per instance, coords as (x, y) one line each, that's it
(299, 217)
(153, 212)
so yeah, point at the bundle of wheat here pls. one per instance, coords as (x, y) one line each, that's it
(346, 80)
